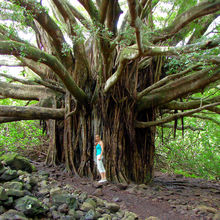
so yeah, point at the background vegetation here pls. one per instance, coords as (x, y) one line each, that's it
(197, 154)
(25, 137)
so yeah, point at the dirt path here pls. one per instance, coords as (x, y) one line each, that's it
(168, 198)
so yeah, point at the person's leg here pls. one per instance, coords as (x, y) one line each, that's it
(101, 170)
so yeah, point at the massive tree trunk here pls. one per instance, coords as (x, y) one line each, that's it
(113, 83)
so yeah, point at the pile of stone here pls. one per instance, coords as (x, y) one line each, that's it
(26, 194)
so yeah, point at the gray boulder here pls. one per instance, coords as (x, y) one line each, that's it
(15, 193)
(2, 210)
(13, 214)
(3, 194)
(30, 206)
(60, 198)
(13, 185)
(8, 175)
(17, 162)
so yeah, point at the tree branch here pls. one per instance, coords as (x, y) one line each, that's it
(23, 81)
(15, 48)
(31, 112)
(8, 63)
(205, 118)
(166, 80)
(24, 92)
(91, 9)
(135, 22)
(179, 88)
(204, 8)
(174, 105)
(86, 23)
(172, 117)
(48, 25)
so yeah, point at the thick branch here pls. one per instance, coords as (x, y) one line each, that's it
(192, 104)
(80, 17)
(103, 10)
(172, 117)
(135, 22)
(15, 48)
(205, 118)
(24, 92)
(11, 64)
(179, 88)
(31, 112)
(166, 80)
(23, 81)
(202, 9)
(47, 23)
(91, 9)
(11, 119)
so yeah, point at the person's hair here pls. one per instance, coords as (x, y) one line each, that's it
(97, 135)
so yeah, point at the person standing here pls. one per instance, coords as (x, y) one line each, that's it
(99, 155)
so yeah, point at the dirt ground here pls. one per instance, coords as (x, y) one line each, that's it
(167, 197)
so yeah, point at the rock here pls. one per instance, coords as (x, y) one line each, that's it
(43, 173)
(2, 170)
(56, 190)
(132, 190)
(97, 185)
(90, 215)
(13, 185)
(113, 207)
(98, 192)
(143, 186)
(68, 217)
(106, 217)
(129, 216)
(43, 193)
(17, 162)
(63, 208)
(204, 208)
(72, 212)
(3, 194)
(79, 214)
(86, 207)
(83, 196)
(60, 198)
(27, 186)
(91, 201)
(2, 210)
(15, 193)
(8, 175)
(116, 199)
(217, 216)
(13, 214)
(9, 202)
(99, 202)
(30, 206)
(120, 214)
(56, 215)
(122, 186)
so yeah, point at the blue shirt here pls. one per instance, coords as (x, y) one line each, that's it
(98, 149)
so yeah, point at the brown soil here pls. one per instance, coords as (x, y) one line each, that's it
(168, 197)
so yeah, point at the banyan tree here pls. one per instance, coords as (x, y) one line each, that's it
(111, 67)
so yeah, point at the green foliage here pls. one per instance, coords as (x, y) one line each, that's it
(197, 155)
(20, 135)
